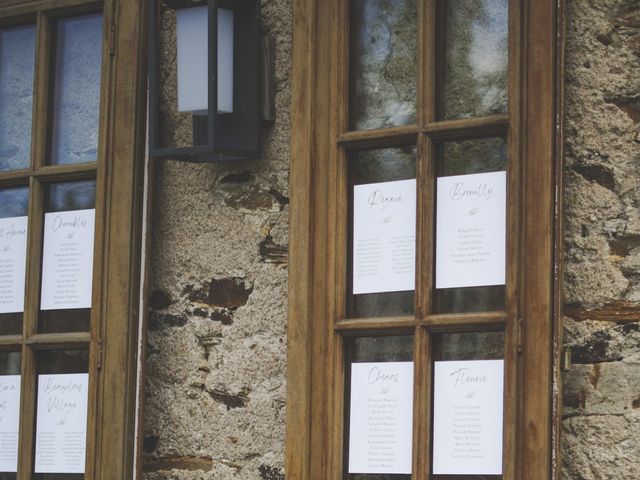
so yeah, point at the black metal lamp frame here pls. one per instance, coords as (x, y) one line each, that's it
(216, 136)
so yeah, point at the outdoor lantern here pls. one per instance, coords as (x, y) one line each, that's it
(204, 79)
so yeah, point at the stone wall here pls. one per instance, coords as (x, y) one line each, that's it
(216, 357)
(216, 345)
(601, 423)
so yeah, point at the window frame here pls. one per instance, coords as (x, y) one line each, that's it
(318, 234)
(113, 337)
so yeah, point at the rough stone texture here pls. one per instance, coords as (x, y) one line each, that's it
(216, 342)
(601, 421)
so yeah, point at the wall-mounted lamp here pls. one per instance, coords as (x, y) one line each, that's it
(204, 104)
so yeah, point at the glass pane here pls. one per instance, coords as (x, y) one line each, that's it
(382, 63)
(14, 204)
(9, 363)
(472, 156)
(462, 160)
(475, 41)
(77, 90)
(468, 346)
(9, 413)
(70, 272)
(381, 349)
(374, 168)
(68, 196)
(61, 420)
(467, 360)
(17, 64)
(53, 362)
(384, 365)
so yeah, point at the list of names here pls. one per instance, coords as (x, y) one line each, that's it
(67, 262)
(13, 260)
(468, 417)
(9, 422)
(471, 230)
(384, 237)
(381, 417)
(61, 428)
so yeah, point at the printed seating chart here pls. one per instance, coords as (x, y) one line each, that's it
(9, 422)
(61, 428)
(384, 237)
(67, 260)
(468, 417)
(381, 417)
(13, 260)
(471, 230)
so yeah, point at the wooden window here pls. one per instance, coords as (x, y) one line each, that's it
(429, 93)
(71, 153)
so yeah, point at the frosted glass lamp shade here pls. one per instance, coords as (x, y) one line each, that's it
(193, 54)
(217, 72)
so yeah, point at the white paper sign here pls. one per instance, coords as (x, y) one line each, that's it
(61, 430)
(384, 237)
(9, 422)
(381, 417)
(67, 260)
(13, 260)
(467, 416)
(471, 230)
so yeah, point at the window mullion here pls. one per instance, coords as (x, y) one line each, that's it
(427, 60)
(27, 413)
(38, 139)
(30, 322)
(34, 253)
(44, 37)
(465, 321)
(367, 325)
(425, 227)
(340, 219)
(422, 405)
(338, 445)
(380, 138)
(466, 128)
(513, 394)
(97, 325)
(515, 207)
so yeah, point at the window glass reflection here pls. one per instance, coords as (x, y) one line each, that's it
(10, 363)
(68, 196)
(17, 66)
(468, 346)
(14, 202)
(476, 44)
(382, 63)
(77, 90)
